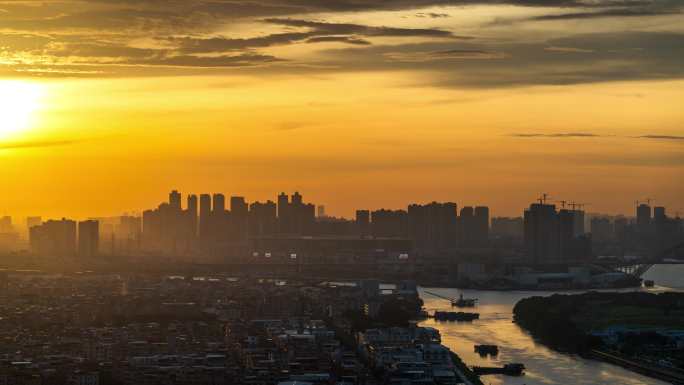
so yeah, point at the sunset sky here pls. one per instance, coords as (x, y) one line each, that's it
(106, 105)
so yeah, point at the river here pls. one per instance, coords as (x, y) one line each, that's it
(544, 366)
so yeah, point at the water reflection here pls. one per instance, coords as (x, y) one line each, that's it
(495, 326)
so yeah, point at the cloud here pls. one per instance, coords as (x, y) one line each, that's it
(620, 12)
(568, 49)
(340, 39)
(37, 144)
(358, 29)
(316, 32)
(614, 57)
(452, 54)
(558, 135)
(663, 137)
(164, 37)
(432, 15)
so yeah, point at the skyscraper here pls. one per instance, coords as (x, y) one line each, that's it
(239, 211)
(466, 226)
(284, 217)
(219, 204)
(550, 235)
(481, 225)
(433, 226)
(204, 216)
(363, 222)
(175, 200)
(262, 219)
(542, 233)
(54, 238)
(192, 213)
(389, 223)
(643, 213)
(88, 238)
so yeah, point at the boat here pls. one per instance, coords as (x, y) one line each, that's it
(508, 369)
(455, 316)
(649, 283)
(484, 350)
(464, 302)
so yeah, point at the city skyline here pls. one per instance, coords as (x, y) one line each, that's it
(333, 212)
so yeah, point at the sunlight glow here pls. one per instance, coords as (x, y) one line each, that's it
(19, 102)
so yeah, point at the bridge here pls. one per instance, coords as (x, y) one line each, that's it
(673, 255)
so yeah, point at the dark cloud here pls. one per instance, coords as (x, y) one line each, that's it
(613, 57)
(316, 32)
(87, 38)
(620, 12)
(432, 15)
(358, 29)
(340, 39)
(221, 44)
(663, 137)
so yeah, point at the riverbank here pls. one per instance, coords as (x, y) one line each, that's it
(636, 330)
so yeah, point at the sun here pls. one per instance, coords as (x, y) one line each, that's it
(19, 102)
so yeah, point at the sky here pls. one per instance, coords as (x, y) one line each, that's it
(107, 105)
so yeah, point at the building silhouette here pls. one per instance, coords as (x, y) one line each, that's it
(363, 224)
(205, 217)
(54, 237)
(433, 226)
(643, 218)
(550, 235)
(88, 238)
(389, 223)
(263, 219)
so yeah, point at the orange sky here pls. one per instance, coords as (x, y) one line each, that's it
(367, 107)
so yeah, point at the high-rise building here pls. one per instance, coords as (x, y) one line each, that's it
(297, 198)
(566, 231)
(321, 211)
(192, 214)
(643, 213)
(284, 217)
(481, 225)
(389, 223)
(578, 223)
(54, 238)
(294, 216)
(601, 229)
(88, 238)
(433, 226)
(550, 235)
(263, 219)
(466, 226)
(363, 222)
(542, 233)
(175, 200)
(219, 204)
(659, 215)
(238, 207)
(205, 216)
(239, 211)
